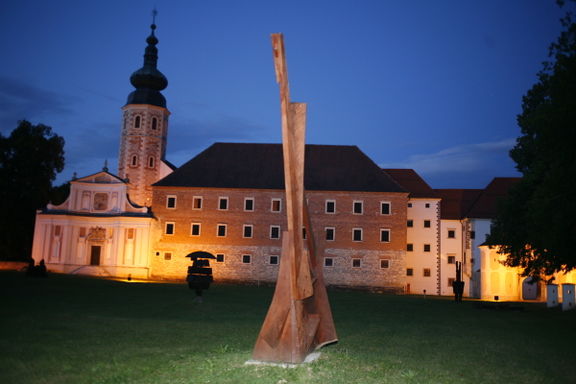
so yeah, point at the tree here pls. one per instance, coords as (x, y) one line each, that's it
(536, 224)
(30, 159)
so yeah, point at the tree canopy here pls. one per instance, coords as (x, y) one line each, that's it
(30, 158)
(536, 225)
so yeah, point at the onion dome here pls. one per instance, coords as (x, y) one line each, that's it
(148, 80)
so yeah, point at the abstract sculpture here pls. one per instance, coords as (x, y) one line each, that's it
(299, 319)
(458, 284)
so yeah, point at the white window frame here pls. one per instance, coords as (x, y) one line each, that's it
(253, 204)
(382, 203)
(331, 262)
(359, 260)
(168, 197)
(192, 229)
(361, 207)
(246, 255)
(244, 227)
(197, 198)
(279, 232)
(279, 205)
(173, 224)
(326, 207)
(387, 262)
(223, 198)
(326, 229)
(382, 230)
(218, 229)
(361, 235)
(270, 260)
(448, 233)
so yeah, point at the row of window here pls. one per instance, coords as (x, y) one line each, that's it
(138, 122)
(248, 232)
(427, 205)
(276, 205)
(134, 161)
(275, 260)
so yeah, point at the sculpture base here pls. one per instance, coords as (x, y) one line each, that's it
(309, 359)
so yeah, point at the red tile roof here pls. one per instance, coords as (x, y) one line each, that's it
(456, 202)
(486, 205)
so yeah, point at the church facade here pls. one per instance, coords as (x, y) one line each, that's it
(380, 229)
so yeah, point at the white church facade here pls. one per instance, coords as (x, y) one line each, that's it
(380, 229)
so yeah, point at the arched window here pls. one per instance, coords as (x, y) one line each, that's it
(151, 162)
(137, 122)
(134, 161)
(154, 123)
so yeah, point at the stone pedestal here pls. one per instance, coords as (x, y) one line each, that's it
(552, 295)
(567, 297)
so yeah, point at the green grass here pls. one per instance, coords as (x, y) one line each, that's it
(69, 329)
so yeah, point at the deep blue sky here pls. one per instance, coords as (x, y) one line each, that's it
(430, 85)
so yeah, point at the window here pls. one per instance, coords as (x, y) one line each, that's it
(384, 235)
(247, 231)
(410, 223)
(134, 161)
(409, 272)
(426, 247)
(356, 263)
(167, 255)
(195, 230)
(451, 259)
(276, 205)
(451, 281)
(220, 258)
(328, 262)
(197, 202)
(427, 205)
(273, 260)
(169, 228)
(451, 234)
(129, 233)
(304, 233)
(426, 223)
(171, 202)
(154, 123)
(384, 208)
(246, 259)
(223, 203)
(274, 231)
(358, 207)
(472, 234)
(330, 206)
(410, 247)
(409, 205)
(329, 233)
(221, 230)
(100, 201)
(426, 272)
(249, 204)
(137, 122)
(384, 263)
(357, 234)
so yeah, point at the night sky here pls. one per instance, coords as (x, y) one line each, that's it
(430, 85)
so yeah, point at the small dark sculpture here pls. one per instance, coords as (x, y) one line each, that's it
(458, 285)
(199, 274)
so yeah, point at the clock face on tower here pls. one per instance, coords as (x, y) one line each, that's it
(100, 201)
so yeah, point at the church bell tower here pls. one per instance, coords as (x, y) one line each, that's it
(141, 160)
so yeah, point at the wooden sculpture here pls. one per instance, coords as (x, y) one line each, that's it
(299, 319)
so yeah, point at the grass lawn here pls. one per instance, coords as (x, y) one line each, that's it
(70, 329)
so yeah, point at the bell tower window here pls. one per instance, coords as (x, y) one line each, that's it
(151, 162)
(154, 123)
(134, 161)
(137, 122)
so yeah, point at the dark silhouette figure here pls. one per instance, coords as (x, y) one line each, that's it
(36, 270)
(199, 274)
(458, 284)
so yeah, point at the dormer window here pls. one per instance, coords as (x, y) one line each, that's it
(137, 122)
(154, 123)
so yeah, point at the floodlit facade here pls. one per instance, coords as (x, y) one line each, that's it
(379, 229)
